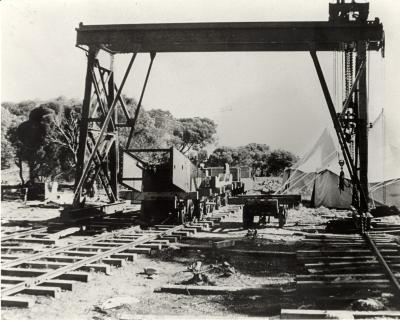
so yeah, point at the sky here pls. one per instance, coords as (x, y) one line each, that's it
(272, 98)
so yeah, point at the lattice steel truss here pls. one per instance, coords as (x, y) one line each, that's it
(347, 30)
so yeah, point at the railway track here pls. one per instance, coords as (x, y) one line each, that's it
(340, 269)
(48, 271)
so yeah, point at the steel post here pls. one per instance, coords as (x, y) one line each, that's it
(362, 125)
(114, 151)
(83, 133)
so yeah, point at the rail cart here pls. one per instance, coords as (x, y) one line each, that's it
(170, 188)
(265, 206)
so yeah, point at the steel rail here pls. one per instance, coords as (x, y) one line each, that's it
(22, 233)
(63, 248)
(388, 272)
(49, 275)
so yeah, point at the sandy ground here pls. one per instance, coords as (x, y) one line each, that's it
(85, 301)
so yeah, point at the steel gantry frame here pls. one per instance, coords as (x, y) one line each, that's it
(347, 30)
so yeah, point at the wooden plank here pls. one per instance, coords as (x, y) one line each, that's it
(196, 228)
(10, 243)
(17, 301)
(342, 252)
(42, 265)
(93, 248)
(209, 290)
(293, 314)
(114, 262)
(159, 241)
(11, 280)
(171, 239)
(190, 230)
(261, 252)
(343, 284)
(371, 268)
(65, 232)
(63, 259)
(106, 244)
(120, 240)
(67, 286)
(315, 314)
(340, 264)
(100, 268)
(152, 246)
(181, 234)
(223, 243)
(309, 259)
(129, 257)
(16, 249)
(341, 276)
(36, 240)
(74, 276)
(79, 253)
(23, 272)
(376, 314)
(6, 257)
(42, 291)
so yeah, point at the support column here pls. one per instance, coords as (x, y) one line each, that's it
(114, 151)
(83, 133)
(362, 127)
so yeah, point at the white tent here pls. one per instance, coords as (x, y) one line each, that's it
(316, 175)
(384, 163)
(326, 191)
(298, 182)
(318, 171)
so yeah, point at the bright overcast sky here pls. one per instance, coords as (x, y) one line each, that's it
(272, 98)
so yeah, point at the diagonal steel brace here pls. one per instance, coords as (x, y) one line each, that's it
(102, 132)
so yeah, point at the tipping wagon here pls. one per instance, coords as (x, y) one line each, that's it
(170, 188)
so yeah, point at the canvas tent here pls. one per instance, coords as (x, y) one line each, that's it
(326, 191)
(319, 170)
(298, 182)
(384, 163)
(316, 175)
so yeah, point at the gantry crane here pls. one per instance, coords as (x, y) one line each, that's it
(347, 30)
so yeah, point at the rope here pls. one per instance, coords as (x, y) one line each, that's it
(384, 184)
(301, 176)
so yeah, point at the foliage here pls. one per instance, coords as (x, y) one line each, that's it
(44, 135)
(278, 160)
(194, 133)
(258, 156)
(36, 140)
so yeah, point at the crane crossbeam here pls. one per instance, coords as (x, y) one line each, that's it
(230, 36)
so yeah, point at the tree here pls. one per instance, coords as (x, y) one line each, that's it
(194, 133)
(8, 121)
(198, 157)
(65, 133)
(35, 145)
(258, 156)
(278, 160)
(220, 156)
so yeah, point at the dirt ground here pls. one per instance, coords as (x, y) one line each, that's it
(141, 300)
